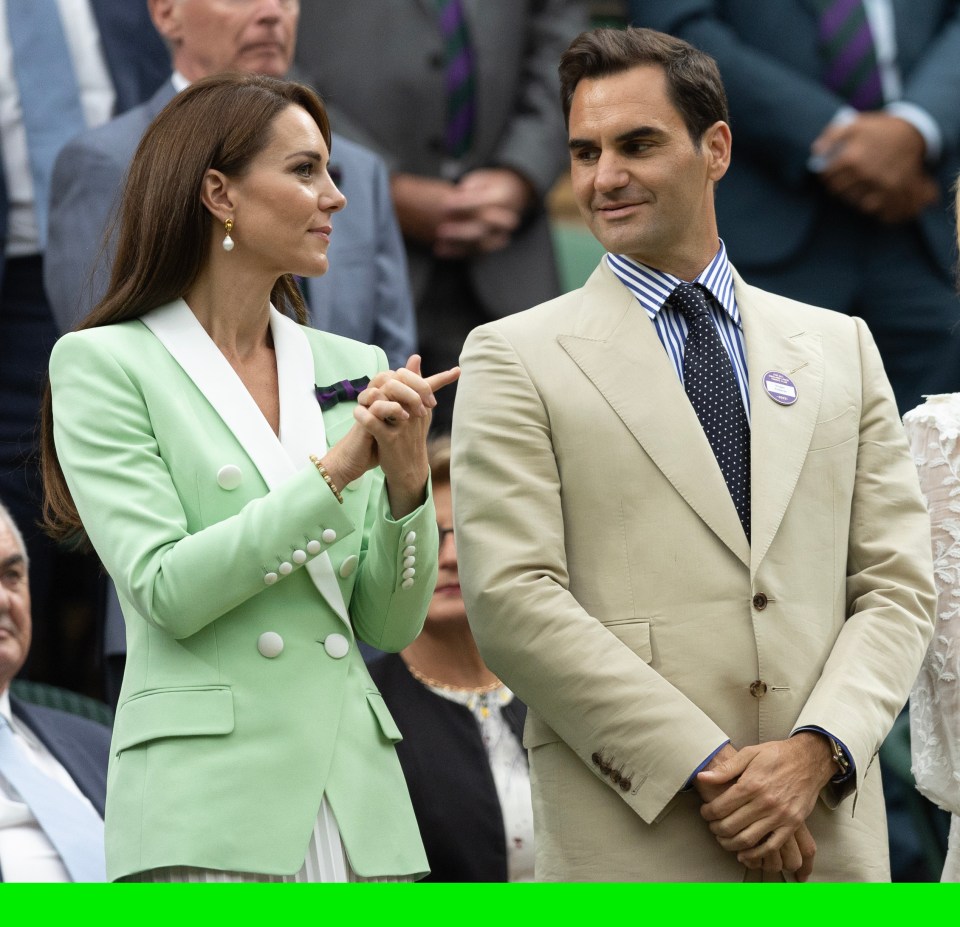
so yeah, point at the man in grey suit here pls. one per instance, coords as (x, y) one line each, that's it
(836, 196)
(365, 295)
(471, 206)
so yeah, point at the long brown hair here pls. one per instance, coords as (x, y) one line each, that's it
(222, 123)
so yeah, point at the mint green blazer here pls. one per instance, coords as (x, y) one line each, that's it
(244, 586)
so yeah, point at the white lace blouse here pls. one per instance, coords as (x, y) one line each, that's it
(934, 433)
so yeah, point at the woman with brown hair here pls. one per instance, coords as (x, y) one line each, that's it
(259, 493)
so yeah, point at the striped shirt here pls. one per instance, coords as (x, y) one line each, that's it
(652, 288)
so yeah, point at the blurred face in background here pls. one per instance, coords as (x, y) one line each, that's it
(211, 36)
(447, 602)
(14, 606)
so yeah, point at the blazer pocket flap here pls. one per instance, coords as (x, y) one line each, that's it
(187, 712)
(836, 430)
(536, 733)
(383, 716)
(635, 634)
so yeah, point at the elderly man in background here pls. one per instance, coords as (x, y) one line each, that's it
(53, 765)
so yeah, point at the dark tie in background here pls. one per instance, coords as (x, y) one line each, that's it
(72, 826)
(459, 77)
(710, 383)
(848, 53)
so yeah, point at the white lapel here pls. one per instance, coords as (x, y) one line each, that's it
(301, 421)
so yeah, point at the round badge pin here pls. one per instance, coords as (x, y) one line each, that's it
(780, 388)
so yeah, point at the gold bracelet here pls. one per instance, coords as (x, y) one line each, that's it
(326, 477)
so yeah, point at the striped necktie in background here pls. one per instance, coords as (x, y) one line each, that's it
(848, 53)
(458, 77)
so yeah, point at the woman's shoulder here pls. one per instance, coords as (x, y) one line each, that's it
(118, 339)
(341, 352)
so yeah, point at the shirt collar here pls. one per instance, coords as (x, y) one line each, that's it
(653, 287)
(5, 708)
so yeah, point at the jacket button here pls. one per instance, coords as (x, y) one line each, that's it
(409, 550)
(314, 547)
(758, 689)
(759, 601)
(625, 785)
(270, 578)
(270, 644)
(409, 562)
(596, 759)
(285, 568)
(348, 566)
(407, 583)
(336, 646)
(328, 536)
(229, 476)
(299, 556)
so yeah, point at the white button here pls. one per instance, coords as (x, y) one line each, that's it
(270, 644)
(406, 584)
(409, 561)
(299, 556)
(285, 568)
(328, 536)
(229, 476)
(409, 551)
(336, 645)
(349, 565)
(270, 578)
(410, 538)
(410, 571)
(314, 547)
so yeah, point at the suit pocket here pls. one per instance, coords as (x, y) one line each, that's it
(635, 634)
(182, 712)
(836, 430)
(387, 725)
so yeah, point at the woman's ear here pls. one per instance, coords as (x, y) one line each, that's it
(217, 194)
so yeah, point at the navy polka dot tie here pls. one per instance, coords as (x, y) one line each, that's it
(715, 396)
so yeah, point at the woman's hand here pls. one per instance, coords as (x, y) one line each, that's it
(392, 420)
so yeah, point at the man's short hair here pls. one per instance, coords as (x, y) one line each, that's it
(693, 78)
(7, 519)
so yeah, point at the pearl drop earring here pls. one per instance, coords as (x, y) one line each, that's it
(228, 241)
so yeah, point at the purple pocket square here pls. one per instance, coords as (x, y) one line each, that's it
(342, 391)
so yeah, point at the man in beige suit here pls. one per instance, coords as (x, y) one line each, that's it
(714, 610)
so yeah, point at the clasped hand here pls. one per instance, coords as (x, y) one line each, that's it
(757, 801)
(392, 419)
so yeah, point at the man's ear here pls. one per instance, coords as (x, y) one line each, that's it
(718, 143)
(218, 195)
(166, 18)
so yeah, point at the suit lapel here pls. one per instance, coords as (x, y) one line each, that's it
(780, 435)
(302, 430)
(618, 350)
(301, 422)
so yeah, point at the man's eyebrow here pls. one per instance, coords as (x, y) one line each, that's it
(640, 132)
(12, 560)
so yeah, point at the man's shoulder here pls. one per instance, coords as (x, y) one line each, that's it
(792, 311)
(45, 721)
(118, 138)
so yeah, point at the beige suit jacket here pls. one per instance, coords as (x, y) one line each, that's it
(609, 582)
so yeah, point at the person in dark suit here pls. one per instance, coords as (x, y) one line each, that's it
(472, 162)
(109, 59)
(461, 752)
(837, 194)
(68, 749)
(365, 295)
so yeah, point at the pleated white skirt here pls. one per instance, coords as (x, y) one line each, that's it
(326, 861)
